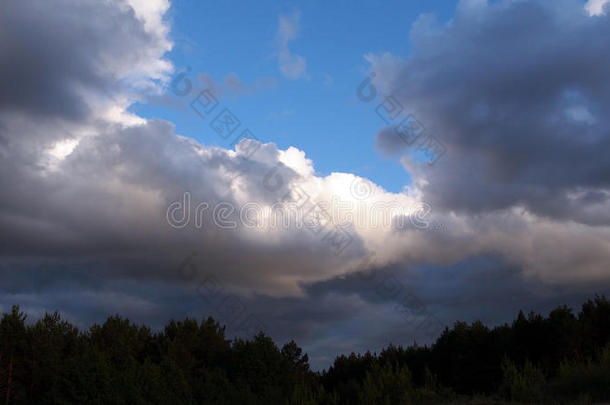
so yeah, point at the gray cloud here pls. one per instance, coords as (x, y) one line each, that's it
(232, 85)
(59, 53)
(389, 143)
(519, 93)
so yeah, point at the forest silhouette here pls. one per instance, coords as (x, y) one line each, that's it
(559, 358)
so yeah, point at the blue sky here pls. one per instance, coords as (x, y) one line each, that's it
(317, 112)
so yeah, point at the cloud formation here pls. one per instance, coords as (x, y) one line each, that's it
(233, 86)
(533, 131)
(89, 179)
(292, 65)
(86, 184)
(596, 7)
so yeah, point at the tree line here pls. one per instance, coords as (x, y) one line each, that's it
(559, 358)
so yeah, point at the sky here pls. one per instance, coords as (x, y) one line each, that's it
(430, 161)
(313, 107)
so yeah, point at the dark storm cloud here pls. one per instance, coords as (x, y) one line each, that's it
(109, 200)
(389, 143)
(519, 91)
(339, 315)
(54, 50)
(482, 288)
